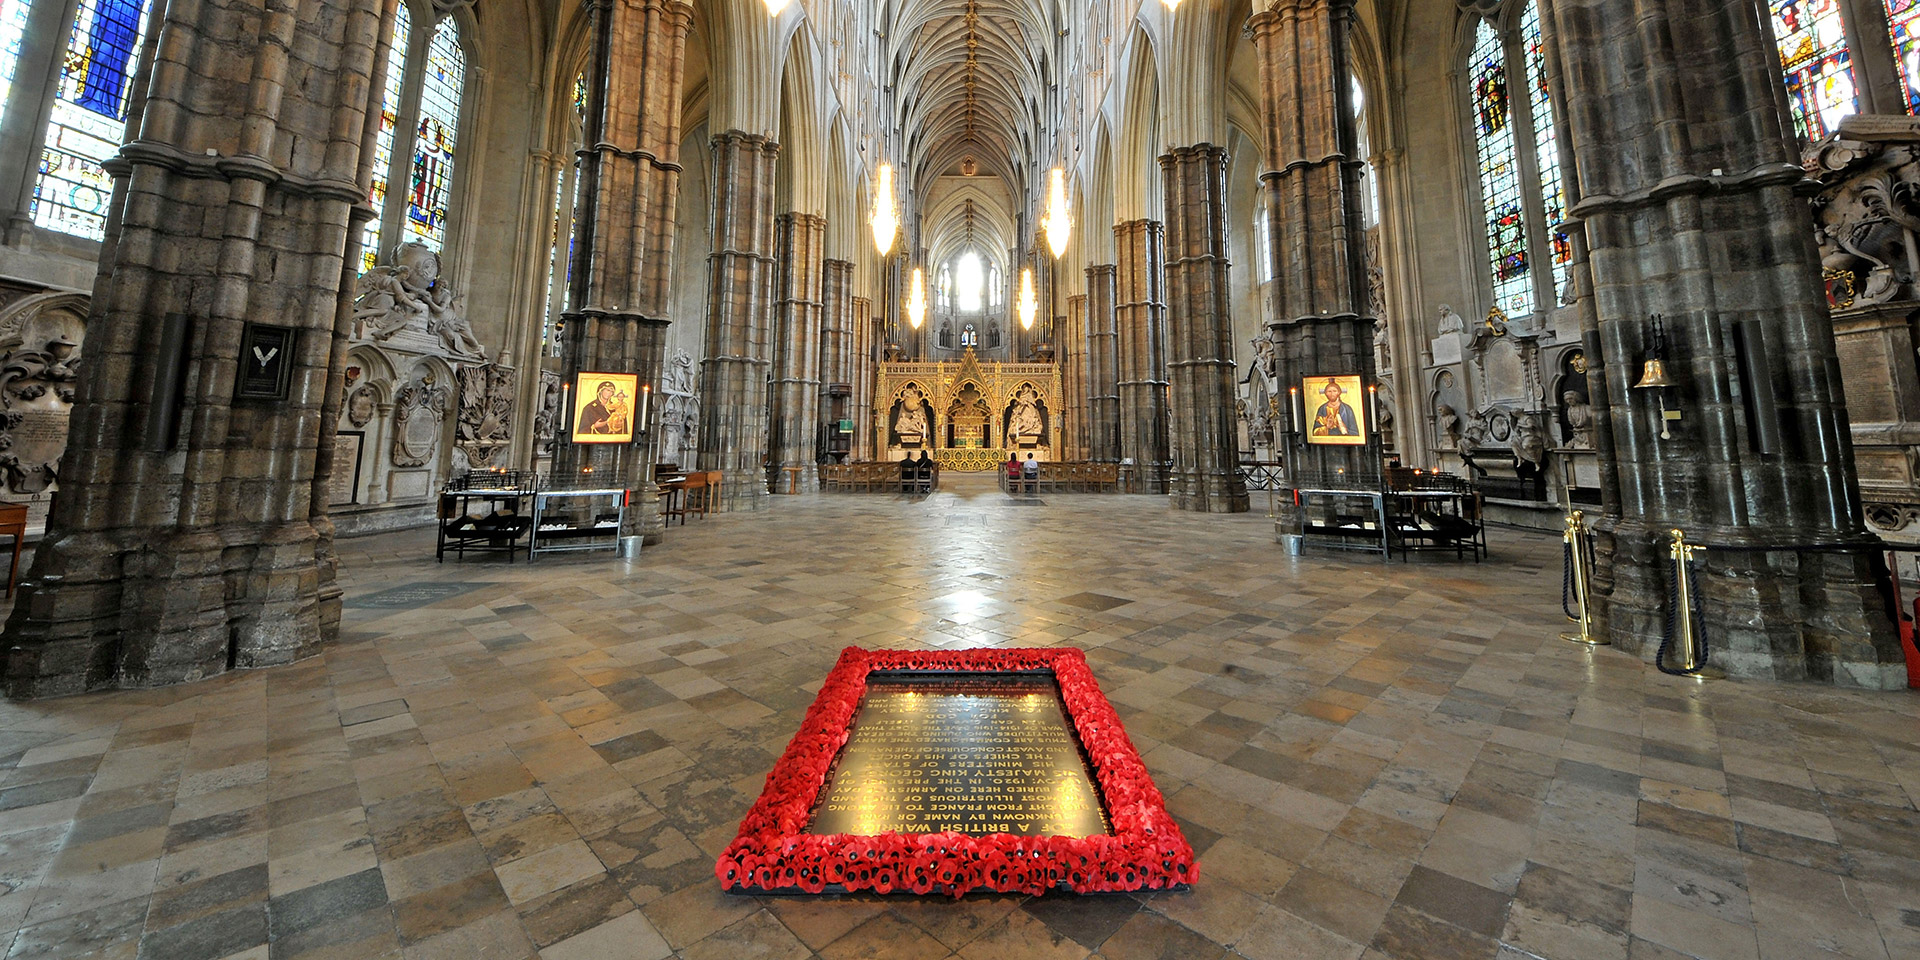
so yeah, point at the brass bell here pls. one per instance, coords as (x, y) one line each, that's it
(1654, 375)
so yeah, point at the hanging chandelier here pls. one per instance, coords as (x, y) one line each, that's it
(1026, 305)
(886, 222)
(1059, 229)
(917, 299)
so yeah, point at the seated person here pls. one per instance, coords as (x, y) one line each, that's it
(1031, 470)
(908, 472)
(923, 468)
(1013, 473)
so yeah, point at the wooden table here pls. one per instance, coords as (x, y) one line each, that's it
(13, 523)
(793, 478)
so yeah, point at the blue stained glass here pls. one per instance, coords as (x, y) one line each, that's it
(112, 36)
(88, 119)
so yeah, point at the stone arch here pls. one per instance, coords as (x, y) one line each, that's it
(1137, 148)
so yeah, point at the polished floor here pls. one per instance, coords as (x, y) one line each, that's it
(1373, 760)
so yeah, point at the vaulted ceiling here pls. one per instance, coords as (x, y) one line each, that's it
(972, 80)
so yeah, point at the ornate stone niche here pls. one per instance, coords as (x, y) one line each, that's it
(421, 402)
(41, 336)
(485, 426)
(1259, 401)
(1866, 220)
(680, 410)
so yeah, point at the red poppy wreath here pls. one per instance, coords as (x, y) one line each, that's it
(774, 853)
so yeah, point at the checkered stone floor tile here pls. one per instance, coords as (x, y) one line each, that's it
(1381, 760)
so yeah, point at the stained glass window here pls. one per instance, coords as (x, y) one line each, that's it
(13, 29)
(1813, 50)
(1553, 194)
(1903, 24)
(431, 175)
(1500, 173)
(383, 141)
(89, 117)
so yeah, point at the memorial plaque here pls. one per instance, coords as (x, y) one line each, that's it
(968, 753)
(343, 486)
(951, 771)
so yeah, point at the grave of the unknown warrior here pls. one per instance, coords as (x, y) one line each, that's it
(949, 771)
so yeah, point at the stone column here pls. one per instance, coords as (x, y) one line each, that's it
(1073, 356)
(1690, 211)
(865, 348)
(623, 252)
(740, 276)
(1103, 351)
(1204, 436)
(186, 540)
(836, 342)
(1139, 317)
(796, 369)
(1320, 325)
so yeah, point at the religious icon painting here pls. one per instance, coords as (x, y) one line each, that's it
(603, 407)
(1334, 414)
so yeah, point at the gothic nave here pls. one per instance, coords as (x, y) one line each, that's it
(448, 445)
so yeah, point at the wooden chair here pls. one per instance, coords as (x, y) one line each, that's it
(710, 491)
(693, 485)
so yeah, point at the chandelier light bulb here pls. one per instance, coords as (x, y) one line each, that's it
(886, 223)
(1171, 4)
(917, 299)
(1059, 229)
(1026, 304)
(775, 6)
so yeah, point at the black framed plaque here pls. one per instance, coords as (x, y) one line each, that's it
(266, 362)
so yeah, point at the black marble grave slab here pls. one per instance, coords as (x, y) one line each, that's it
(973, 753)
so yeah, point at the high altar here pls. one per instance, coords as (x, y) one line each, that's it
(968, 415)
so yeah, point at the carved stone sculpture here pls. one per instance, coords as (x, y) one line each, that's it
(485, 425)
(547, 416)
(1026, 420)
(1866, 216)
(419, 408)
(680, 413)
(407, 292)
(360, 406)
(1579, 414)
(1450, 322)
(39, 370)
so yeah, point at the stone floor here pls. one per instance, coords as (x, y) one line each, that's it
(1378, 760)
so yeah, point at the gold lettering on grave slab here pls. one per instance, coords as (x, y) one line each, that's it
(972, 754)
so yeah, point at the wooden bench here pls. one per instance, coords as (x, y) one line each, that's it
(871, 476)
(1066, 476)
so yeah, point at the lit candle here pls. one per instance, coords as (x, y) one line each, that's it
(1373, 406)
(1294, 411)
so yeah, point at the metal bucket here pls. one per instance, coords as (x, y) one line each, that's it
(630, 547)
(1293, 542)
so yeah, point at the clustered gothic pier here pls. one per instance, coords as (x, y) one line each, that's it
(804, 254)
